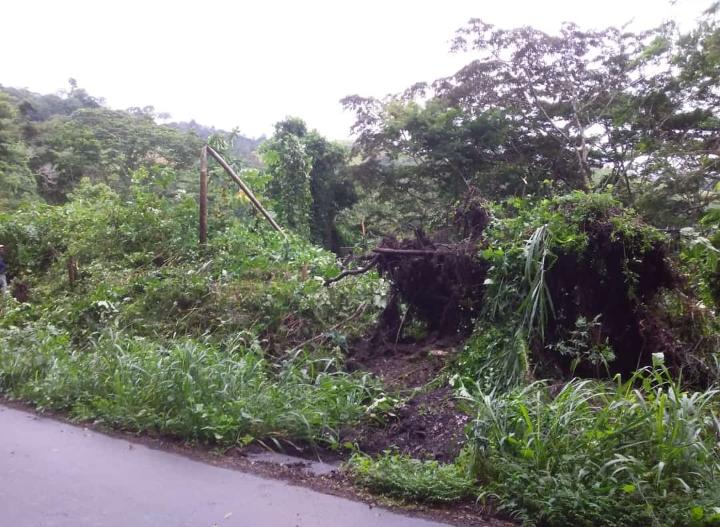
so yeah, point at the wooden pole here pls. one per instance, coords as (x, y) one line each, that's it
(203, 230)
(245, 189)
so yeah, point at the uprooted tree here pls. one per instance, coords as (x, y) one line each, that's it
(573, 285)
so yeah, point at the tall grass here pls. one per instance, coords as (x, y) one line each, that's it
(639, 453)
(193, 390)
(537, 306)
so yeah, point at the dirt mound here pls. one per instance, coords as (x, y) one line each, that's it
(405, 364)
(401, 366)
(428, 426)
(442, 288)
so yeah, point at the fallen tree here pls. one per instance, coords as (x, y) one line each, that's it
(573, 285)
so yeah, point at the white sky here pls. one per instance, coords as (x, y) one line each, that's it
(252, 63)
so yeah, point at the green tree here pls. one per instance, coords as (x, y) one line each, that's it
(106, 146)
(309, 181)
(534, 113)
(289, 165)
(330, 188)
(16, 179)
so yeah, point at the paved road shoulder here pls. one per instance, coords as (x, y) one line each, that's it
(59, 475)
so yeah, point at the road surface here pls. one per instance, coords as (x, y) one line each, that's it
(57, 475)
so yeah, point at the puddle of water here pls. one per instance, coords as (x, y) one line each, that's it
(317, 468)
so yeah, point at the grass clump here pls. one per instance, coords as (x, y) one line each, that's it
(635, 454)
(413, 479)
(222, 393)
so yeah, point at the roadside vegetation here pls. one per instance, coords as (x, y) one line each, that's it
(506, 292)
(158, 335)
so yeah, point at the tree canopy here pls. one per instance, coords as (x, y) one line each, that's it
(534, 113)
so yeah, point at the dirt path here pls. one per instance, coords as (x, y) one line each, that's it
(59, 475)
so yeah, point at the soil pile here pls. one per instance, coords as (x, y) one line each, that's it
(612, 282)
(430, 424)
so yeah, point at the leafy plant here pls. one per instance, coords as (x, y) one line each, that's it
(538, 304)
(412, 479)
(583, 346)
(643, 452)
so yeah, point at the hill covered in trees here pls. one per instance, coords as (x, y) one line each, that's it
(244, 148)
(51, 142)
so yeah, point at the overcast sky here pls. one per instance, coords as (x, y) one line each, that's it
(251, 63)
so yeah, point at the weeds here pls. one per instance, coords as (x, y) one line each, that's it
(227, 393)
(412, 479)
(582, 345)
(641, 453)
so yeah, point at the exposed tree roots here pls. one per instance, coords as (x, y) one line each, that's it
(613, 285)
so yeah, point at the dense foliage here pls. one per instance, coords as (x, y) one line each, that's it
(308, 181)
(563, 269)
(533, 113)
(641, 453)
(54, 141)
(153, 334)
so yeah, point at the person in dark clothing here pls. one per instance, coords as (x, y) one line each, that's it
(3, 269)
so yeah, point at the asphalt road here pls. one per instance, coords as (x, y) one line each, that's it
(56, 475)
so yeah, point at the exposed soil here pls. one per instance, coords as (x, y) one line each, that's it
(596, 284)
(683, 337)
(429, 425)
(403, 365)
(443, 288)
(20, 290)
(439, 277)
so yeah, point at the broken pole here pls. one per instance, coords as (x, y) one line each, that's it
(245, 189)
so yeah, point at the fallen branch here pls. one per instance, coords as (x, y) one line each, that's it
(350, 272)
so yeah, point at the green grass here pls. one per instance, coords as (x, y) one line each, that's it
(639, 453)
(193, 390)
(412, 479)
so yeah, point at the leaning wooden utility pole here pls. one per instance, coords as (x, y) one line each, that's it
(245, 189)
(203, 196)
(207, 149)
